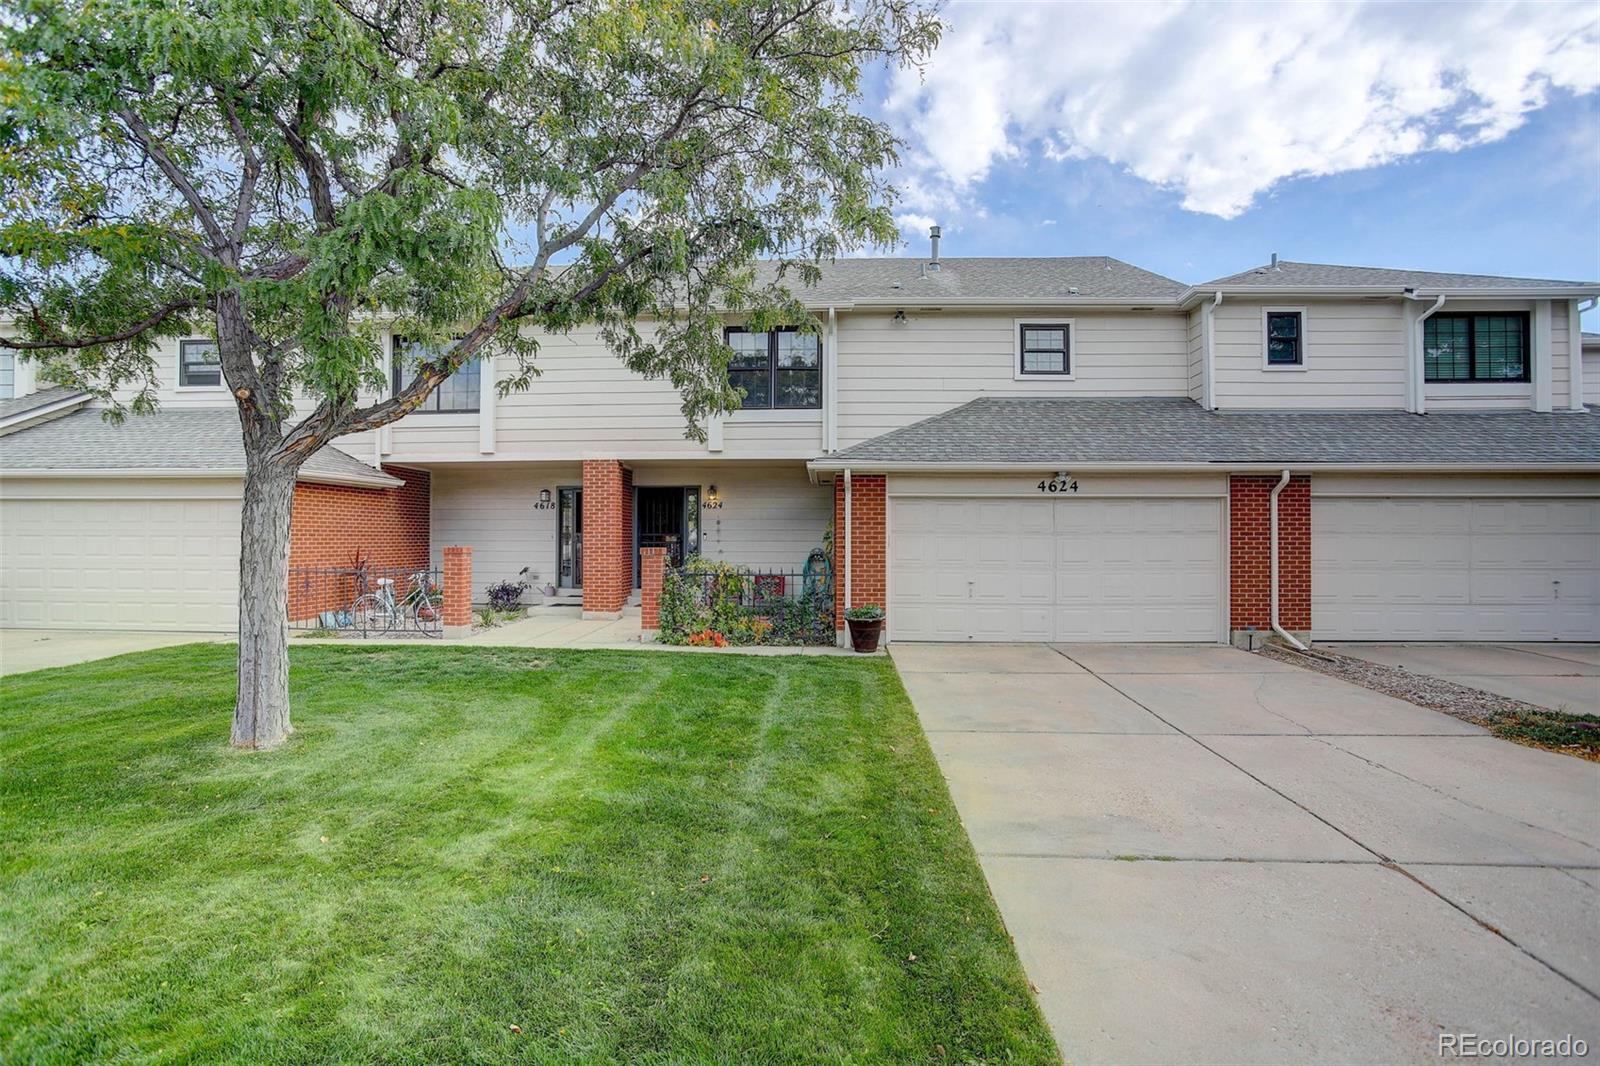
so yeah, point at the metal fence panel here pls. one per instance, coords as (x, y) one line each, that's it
(367, 601)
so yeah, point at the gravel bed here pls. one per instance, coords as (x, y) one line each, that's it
(1469, 704)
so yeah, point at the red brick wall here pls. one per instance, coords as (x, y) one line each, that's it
(607, 535)
(1250, 543)
(869, 550)
(652, 566)
(331, 524)
(457, 587)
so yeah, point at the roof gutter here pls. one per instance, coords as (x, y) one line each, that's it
(1194, 295)
(377, 481)
(868, 466)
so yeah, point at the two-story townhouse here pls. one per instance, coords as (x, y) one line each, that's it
(1006, 449)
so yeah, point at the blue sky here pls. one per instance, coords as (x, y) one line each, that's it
(1197, 139)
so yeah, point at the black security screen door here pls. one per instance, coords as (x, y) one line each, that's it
(569, 522)
(661, 516)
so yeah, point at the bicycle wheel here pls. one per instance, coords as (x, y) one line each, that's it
(370, 616)
(427, 617)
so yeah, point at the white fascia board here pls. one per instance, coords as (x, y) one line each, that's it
(860, 466)
(1189, 298)
(354, 481)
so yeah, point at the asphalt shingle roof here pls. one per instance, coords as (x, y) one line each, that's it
(1287, 274)
(1177, 430)
(997, 279)
(196, 439)
(20, 405)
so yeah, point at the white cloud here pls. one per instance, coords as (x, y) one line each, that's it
(1222, 101)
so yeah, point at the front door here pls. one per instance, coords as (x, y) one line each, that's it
(662, 520)
(569, 522)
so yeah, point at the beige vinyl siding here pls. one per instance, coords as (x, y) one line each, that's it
(749, 434)
(490, 508)
(1355, 356)
(893, 374)
(771, 516)
(1591, 377)
(1197, 354)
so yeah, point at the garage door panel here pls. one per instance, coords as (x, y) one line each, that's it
(120, 563)
(1456, 569)
(1074, 569)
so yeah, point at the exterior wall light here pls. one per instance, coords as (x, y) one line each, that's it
(544, 495)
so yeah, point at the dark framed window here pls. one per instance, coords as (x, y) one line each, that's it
(1286, 338)
(199, 363)
(777, 370)
(1476, 347)
(1044, 348)
(458, 392)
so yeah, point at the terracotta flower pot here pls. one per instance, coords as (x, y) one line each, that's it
(863, 634)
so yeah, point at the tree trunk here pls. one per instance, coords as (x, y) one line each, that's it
(261, 713)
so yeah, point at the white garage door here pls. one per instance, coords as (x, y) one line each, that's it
(1455, 569)
(128, 563)
(1074, 569)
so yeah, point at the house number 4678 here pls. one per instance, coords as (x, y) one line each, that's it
(1059, 484)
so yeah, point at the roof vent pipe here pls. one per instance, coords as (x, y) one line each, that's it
(933, 235)
(1274, 260)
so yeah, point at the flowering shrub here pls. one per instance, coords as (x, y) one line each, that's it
(707, 638)
(743, 608)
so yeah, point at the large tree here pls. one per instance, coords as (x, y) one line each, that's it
(292, 176)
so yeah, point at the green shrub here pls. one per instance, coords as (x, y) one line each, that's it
(717, 598)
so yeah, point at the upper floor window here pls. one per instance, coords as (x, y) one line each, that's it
(458, 392)
(1044, 348)
(8, 375)
(199, 364)
(777, 370)
(1283, 336)
(1470, 347)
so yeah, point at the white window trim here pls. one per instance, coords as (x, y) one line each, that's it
(1071, 327)
(1305, 346)
(179, 386)
(801, 415)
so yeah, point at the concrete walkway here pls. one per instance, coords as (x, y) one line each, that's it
(1205, 856)
(1562, 677)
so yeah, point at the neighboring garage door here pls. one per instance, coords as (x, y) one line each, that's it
(1069, 570)
(134, 562)
(1399, 568)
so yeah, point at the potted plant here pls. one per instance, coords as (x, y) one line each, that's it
(866, 625)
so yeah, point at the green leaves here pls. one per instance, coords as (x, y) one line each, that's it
(290, 174)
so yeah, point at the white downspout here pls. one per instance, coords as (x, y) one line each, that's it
(1575, 311)
(847, 539)
(1276, 626)
(1417, 373)
(1210, 369)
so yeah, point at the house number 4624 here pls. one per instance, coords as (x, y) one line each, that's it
(1059, 484)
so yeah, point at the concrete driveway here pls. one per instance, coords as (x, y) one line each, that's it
(1562, 677)
(22, 650)
(1204, 855)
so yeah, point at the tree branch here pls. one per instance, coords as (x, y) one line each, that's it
(145, 324)
(157, 152)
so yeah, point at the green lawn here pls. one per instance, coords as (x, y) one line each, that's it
(635, 857)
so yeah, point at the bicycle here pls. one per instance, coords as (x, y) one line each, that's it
(377, 613)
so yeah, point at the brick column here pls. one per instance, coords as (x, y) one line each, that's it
(1250, 555)
(652, 568)
(457, 592)
(869, 552)
(607, 537)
